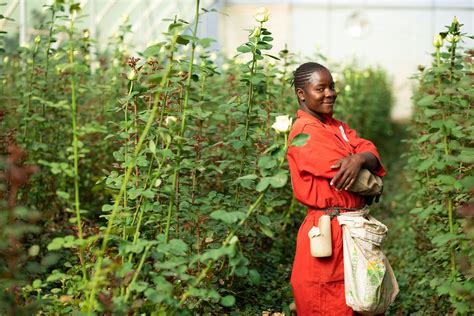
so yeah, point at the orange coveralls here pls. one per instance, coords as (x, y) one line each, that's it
(318, 283)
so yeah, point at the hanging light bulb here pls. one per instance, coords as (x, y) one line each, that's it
(357, 24)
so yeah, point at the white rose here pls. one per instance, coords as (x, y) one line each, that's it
(132, 75)
(262, 15)
(438, 41)
(170, 119)
(213, 56)
(452, 38)
(282, 123)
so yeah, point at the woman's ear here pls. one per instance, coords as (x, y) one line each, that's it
(301, 94)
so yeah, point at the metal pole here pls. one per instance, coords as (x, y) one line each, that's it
(22, 39)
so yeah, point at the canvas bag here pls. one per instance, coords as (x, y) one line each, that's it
(367, 183)
(369, 281)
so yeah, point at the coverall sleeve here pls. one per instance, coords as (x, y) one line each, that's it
(318, 154)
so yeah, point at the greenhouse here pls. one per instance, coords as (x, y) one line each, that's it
(236, 157)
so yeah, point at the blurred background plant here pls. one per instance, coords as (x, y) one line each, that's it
(156, 183)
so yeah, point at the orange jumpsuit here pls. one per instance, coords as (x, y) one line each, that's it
(318, 283)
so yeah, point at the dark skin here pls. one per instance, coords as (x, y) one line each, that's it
(317, 98)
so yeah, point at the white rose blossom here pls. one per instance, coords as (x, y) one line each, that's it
(452, 38)
(170, 119)
(438, 41)
(213, 56)
(132, 75)
(282, 123)
(262, 15)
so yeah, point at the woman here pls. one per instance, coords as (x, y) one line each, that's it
(321, 172)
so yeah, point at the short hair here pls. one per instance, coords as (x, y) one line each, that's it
(303, 73)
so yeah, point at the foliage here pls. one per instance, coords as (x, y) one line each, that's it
(438, 267)
(163, 187)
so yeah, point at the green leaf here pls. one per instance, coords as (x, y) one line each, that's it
(466, 155)
(263, 184)
(426, 100)
(442, 239)
(36, 284)
(300, 140)
(267, 231)
(56, 244)
(247, 177)
(63, 195)
(271, 56)
(244, 49)
(254, 277)
(241, 271)
(279, 180)
(264, 220)
(228, 301)
(228, 217)
(152, 146)
(215, 254)
(74, 7)
(153, 50)
(178, 246)
(139, 286)
(182, 41)
(266, 162)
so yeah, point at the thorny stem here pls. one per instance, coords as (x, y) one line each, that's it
(137, 272)
(249, 111)
(30, 91)
(183, 125)
(446, 153)
(126, 151)
(75, 145)
(48, 47)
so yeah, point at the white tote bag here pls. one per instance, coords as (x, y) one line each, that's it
(370, 285)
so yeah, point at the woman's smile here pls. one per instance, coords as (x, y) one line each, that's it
(319, 94)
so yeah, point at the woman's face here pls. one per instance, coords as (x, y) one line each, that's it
(319, 94)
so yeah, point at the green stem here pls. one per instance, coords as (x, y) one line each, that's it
(453, 59)
(183, 125)
(446, 153)
(249, 111)
(75, 145)
(126, 151)
(451, 230)
(438, 57)
(137, 272)
(30, 91)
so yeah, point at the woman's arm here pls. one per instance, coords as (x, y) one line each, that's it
(350, 166)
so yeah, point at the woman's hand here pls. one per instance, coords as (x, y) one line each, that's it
(349, 168)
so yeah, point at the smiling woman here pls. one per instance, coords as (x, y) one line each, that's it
(322, 173)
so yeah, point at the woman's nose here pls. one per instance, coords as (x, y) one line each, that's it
(330, 93)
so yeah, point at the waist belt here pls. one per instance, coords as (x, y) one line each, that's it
(336, 210)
